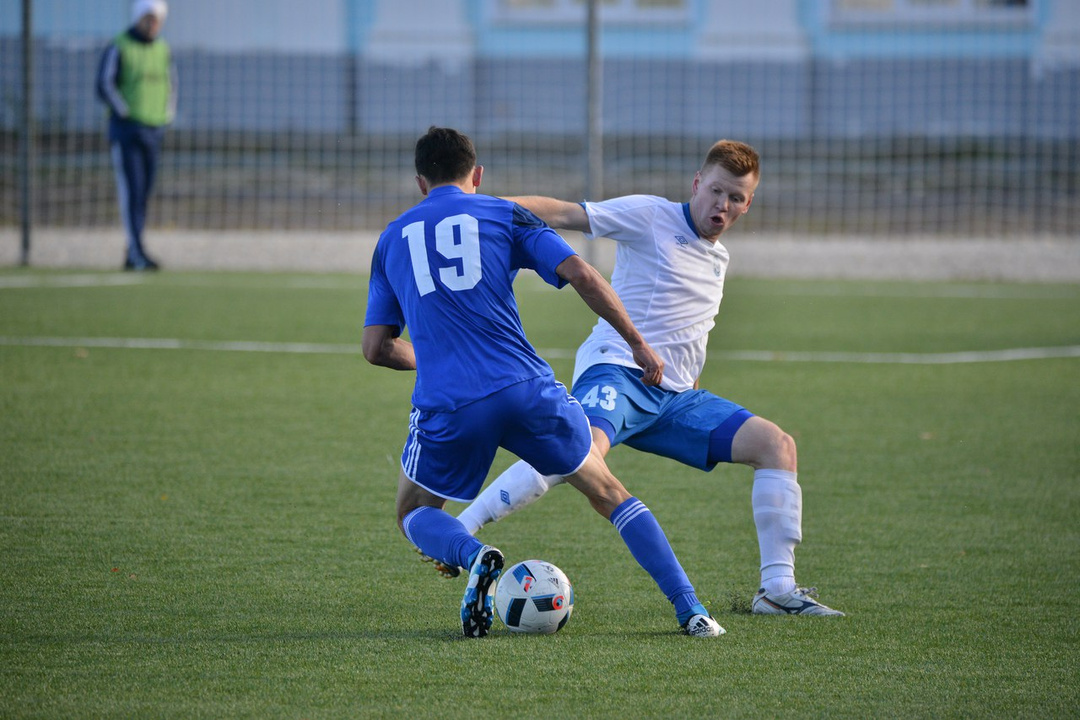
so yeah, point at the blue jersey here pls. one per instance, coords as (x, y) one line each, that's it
(445, 270)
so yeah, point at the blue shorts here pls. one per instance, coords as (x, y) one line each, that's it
(676, 425)
(450, 453)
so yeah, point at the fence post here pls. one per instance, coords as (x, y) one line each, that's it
(594, 137)
(27, 145)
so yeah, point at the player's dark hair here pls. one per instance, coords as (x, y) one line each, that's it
(736, 157)
(444, 155)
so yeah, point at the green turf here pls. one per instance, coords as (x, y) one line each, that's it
(195, 533)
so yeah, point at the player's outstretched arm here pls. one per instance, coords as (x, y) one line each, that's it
(382, 346)
(559, 214)
(601, 298)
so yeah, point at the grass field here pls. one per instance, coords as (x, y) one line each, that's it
(196, 513)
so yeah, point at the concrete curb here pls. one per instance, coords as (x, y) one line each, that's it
(753, 255)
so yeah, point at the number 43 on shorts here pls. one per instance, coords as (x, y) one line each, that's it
(602, 396)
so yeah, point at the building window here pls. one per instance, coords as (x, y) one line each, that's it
(613, 11)
(931, 11)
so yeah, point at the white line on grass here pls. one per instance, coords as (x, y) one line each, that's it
(952, 358)
(1008, 355)
(16, 282)
(988, 291)
(175, 344)
(66, 281)
(950, 291)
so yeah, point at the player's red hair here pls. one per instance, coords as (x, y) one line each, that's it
(736, 157)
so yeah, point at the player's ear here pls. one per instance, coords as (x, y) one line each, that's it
(478, 175)
(748, 204)
(422, 184)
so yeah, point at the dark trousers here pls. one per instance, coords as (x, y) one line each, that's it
(135, 151)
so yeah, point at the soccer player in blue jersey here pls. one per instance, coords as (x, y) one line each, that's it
(669, 273)
(445, 271)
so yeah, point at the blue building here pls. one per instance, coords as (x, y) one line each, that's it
(772, 68)
(973, 104)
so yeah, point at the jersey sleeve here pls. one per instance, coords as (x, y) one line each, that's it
(622, 219)
(383, 307)
(540, 248)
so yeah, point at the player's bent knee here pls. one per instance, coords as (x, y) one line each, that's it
(603, 490)
(777, 451)
(786, 452)
(761, 444)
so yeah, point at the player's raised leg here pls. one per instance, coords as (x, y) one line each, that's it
(557, 440)
(518, 486)
(646, 541)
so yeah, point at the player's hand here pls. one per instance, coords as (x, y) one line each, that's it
(650, 363)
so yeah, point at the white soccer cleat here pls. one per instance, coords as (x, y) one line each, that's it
(800, 601)
(702, 626)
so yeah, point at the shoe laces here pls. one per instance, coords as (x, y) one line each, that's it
(810, 592)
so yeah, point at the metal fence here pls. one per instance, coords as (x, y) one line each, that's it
(904, 145)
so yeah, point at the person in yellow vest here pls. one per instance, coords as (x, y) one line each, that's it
(137, 82)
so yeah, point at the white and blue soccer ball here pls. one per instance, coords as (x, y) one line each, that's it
(534, 597)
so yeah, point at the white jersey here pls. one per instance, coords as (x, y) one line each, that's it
(670, 280)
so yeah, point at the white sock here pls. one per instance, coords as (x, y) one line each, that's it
(777, 501)
(511, 491)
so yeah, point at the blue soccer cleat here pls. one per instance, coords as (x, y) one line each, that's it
(476, 605)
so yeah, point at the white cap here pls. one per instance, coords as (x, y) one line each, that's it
(149, 7)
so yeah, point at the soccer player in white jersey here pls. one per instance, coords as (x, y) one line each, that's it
(669, 272)
(445, 270)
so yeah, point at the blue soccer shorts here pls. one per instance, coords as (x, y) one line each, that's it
(450, 453)
(676, 425)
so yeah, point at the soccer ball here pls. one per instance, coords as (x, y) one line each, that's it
(534, 597)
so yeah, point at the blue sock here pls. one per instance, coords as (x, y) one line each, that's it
(440, 535)
(650, 547)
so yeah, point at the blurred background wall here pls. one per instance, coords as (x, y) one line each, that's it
(873, 117)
